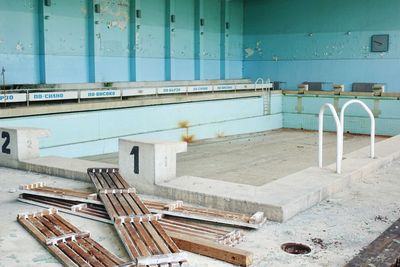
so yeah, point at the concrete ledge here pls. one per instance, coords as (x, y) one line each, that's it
(62, 167)
(131, 102)
(285, 197)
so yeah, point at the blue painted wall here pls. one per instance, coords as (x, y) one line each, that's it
(90, 133)
(301, 112)
(321, 40)
(69, 41)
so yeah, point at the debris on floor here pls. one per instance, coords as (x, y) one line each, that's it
(67, 243)
(153, 232)
(176, 209)
(383, 251)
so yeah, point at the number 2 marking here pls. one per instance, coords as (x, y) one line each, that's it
(4, 147)
(135, 153)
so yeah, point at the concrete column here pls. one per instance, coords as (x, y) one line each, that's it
(18, 144)
(145, 163)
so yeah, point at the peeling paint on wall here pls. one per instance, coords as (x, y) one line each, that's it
(19, 47)
(249, 52)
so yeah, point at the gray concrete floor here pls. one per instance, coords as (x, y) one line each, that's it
(345, 223)
(256, 159)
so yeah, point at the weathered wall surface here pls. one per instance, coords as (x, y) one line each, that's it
(65, 41)
(321, 40)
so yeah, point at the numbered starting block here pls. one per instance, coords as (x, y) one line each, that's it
(18, 144)
(145, 163)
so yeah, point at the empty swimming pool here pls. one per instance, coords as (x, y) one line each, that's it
(256, 159)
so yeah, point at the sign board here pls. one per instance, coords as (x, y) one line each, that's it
(224, 87)
(100, 93)
(139, 91)
(171, 90)
(12, 98)
(199, 88)
(51, 96)
(246, 86)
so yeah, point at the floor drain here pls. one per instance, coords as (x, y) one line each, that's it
(296, 248)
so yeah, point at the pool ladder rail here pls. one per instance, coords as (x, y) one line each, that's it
(266, 88)
(340, 131)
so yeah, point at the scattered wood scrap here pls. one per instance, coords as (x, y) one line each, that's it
(383, 251)
(67, 243)
(210, 249)
(175, 209)
(176, 219)
(144, 238)
(171, 225)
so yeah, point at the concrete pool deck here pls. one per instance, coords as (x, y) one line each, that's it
(279, 199)
(345, 223)
(256, 159)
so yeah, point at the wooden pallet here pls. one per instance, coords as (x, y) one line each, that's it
(179, 209)
(171, 225)
(67, 243)
(204, 244)
(144, 238)
(175, 209)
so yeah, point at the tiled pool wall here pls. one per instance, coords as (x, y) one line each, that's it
(301, 112)
(97, 132)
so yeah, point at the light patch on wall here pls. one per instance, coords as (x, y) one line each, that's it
(117, 13)
(19, 47)
(258, 47)
(83, 10)
(249, 52)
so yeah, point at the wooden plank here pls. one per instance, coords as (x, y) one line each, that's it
(211, 249)
(174, 248)
(183, 211)
(117, 182)
(84, 254)
(128, 244)
(383, 251)
(108, 180)
(104, 252)
(96, 253)
(65, 241)
(121, 180)
(72, 255)
(135, 238)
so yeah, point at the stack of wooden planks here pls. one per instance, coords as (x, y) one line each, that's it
(171, 225)
(175, 209)
(153, 232)
(67, 243)
(145, 240)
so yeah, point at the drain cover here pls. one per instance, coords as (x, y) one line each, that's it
(296, 248)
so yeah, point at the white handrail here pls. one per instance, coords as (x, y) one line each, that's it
(339, 136)
(371, 116)
(256, 82)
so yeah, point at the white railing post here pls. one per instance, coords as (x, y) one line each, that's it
(256, 82)
(339, 134)
(371, 116)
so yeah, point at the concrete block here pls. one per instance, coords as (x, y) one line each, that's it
(19, 144)
(145, 163)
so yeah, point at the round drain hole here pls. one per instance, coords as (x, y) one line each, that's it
(296, 248)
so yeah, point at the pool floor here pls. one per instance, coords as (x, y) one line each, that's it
(256, 159)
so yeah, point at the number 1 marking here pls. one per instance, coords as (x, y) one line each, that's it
(135, 153)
